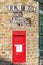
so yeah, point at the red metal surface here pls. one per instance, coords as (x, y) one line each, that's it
(19, 46)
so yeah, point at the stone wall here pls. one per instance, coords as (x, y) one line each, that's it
(6, 28)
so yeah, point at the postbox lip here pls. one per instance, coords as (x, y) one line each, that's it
(19, 33)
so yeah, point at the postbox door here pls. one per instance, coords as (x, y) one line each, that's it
(19, 46)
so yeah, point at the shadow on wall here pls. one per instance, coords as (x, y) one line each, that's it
(4, 62)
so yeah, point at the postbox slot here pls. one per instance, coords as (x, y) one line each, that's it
(19, 35)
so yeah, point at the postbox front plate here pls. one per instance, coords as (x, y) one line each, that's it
(19, 46)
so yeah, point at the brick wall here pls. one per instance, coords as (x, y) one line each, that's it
(6, 28)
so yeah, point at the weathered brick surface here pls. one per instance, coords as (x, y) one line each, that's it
(6, 29)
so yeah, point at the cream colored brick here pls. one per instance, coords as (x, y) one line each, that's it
(6, 29)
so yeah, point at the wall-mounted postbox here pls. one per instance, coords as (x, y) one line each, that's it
(19, 46)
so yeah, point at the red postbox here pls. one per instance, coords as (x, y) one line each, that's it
(19, 46)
